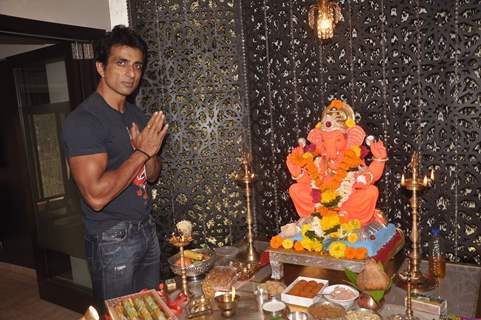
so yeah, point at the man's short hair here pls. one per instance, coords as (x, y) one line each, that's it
(119, 36)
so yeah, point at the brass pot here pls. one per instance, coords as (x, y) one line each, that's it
(227, 304)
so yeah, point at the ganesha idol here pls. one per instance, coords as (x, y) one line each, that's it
(330, 172)
(334, 191)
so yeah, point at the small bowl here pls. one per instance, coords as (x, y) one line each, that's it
(367, 302)
(226, 304)
(273, 309)
(226, 254)
(346, 303)
(313, 310)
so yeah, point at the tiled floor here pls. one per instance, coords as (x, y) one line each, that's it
(19, 299)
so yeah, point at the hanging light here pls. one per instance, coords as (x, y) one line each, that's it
(323, 17)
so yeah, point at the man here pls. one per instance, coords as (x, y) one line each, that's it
(112, 152)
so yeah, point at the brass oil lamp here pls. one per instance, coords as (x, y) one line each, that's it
(415, 184)
(246, 176)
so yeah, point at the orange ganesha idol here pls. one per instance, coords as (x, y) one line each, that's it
(334, 192)
(330, 173)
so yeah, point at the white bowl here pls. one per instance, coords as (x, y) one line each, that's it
(346, 303)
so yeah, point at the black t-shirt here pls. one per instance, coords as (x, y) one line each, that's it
(95, 127)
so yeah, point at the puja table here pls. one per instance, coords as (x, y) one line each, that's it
(461, 288)
(279, 257)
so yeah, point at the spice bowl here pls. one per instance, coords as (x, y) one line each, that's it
(227, 303)
(274, 309)
(341, 294)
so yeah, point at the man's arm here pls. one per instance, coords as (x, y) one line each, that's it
(98, 186)
(152, 168)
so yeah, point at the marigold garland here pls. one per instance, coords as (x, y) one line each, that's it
(317, 246)
(337, 249)
(328, 187)
(352, 237)
(361, 253)
(276, 242)
(355, 253)
(349, 253)
(298, 246)
(323, 211)
(287, 243)
(307, 244)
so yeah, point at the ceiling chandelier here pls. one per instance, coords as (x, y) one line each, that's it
(323, 17)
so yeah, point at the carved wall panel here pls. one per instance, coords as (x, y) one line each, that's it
(192, 75)
(411, 70)
(250, 74)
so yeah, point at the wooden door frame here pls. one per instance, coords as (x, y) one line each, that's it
(81, 82)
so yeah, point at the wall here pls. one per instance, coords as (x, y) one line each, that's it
(118, 12)
(193, 76)
(410, 69)
(86, 13)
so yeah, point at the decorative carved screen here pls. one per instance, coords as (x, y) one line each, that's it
(410, 69)
(193, 76)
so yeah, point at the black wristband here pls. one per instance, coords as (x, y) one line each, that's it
(145, 153)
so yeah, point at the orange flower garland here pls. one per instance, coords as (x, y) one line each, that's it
(349, 253)
(306, 160)
(298, 246)
(355, 253)
(361, 253)
(323, 211)
(276, 242)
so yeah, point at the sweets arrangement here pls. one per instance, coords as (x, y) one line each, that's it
(139, 308)
(218, 279)
(306, 289)
(145, 305)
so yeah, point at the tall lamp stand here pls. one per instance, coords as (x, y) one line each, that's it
(419, 282)
(181, 242)
(247, 177)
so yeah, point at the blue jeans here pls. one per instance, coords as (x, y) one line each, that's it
(123, 259)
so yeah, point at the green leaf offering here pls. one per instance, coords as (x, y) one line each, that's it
(352, 277)
(377, 295)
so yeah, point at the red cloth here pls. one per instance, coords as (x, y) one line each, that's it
(264, 259)
(385, 252)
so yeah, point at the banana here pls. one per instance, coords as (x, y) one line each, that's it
(194, 255)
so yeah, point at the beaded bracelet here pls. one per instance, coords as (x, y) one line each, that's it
(145, 153)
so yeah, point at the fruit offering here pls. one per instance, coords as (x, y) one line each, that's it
(191, 256)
